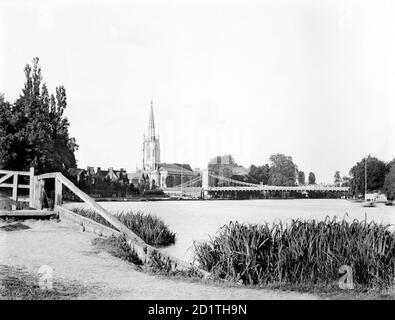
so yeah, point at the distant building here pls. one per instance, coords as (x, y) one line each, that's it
(90, 177)
(225, 166)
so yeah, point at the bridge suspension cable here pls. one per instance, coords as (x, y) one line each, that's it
(189, 183)
(233, 181)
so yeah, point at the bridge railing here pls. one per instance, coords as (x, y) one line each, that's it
(143, 250)
(14, 175)
(189, 183)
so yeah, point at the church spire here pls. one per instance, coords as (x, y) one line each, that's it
(151, 124)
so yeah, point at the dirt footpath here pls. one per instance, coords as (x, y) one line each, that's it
(74, 259)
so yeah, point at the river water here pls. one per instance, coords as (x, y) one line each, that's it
(196, 220)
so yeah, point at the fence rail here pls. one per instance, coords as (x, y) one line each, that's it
(14, 175)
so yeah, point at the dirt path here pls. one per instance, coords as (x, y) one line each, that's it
(73, 258)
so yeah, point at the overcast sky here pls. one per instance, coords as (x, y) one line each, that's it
(311, 79)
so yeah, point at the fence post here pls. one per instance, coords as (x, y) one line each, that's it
(15, 190)
(58, 192)
(31, 188)
(37, 186)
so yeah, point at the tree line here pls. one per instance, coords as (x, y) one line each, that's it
(280, 171)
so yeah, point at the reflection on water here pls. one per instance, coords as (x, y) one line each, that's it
(195, 220)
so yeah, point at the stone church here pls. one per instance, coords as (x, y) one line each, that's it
(159, 174)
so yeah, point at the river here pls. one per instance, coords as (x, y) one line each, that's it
(196, 220)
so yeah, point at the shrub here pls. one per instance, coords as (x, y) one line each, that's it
(149, 228)
(301, 252)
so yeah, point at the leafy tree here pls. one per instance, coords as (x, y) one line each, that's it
(282, 170)
(337, 178)
(311, 178)
(36, 132)
(259, 173)
(6, 136)
(389, 183)
(301, 178)
(177, 180)
(376, 171)
(169, 181)
(345, 181)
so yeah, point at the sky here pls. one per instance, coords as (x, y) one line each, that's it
(314, 80)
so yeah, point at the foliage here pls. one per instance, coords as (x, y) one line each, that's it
(154, 192)
(345, 181)
(259, 173)
(34, 130)
(149, 228)
(301, 252)
(282, 170)
(337, 179)
(376, 171)
(311, 178)
(169, 181)
(389, 183)
(301, 178)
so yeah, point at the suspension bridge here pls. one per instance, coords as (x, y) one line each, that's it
(208, 183)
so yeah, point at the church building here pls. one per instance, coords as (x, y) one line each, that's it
(159, 175)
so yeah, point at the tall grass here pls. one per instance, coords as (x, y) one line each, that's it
(300, 252)
(149, 228)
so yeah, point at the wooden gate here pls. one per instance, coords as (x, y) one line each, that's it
(9, 179)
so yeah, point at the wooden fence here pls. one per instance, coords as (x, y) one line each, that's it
(35, 197)
(143, 250)
(6, 175)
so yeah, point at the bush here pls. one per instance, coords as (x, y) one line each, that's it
(301, 252)
(154, 192)
(149, 228)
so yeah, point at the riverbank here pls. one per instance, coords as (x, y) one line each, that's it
(76, 262)
(196, 220)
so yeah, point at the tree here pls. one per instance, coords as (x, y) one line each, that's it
(6, 138)
(36, 132)
(376, 171)
(282, 170)
(259, 174)
(337, 178)
(169, 181)
(311, 178)
(177, 180)
(301, 178)
(345, 181)
(389, 183)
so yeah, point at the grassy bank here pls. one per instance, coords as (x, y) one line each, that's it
(302, 252)
(149, 228)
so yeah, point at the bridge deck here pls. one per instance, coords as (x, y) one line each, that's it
(26, 213)
(279, 188)
(261, 188)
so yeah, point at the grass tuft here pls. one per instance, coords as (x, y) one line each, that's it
(149, 228)
(303, 252)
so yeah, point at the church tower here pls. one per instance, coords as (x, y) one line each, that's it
(151, 148)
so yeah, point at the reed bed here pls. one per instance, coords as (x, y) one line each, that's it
(308, 252)
(149, 228)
